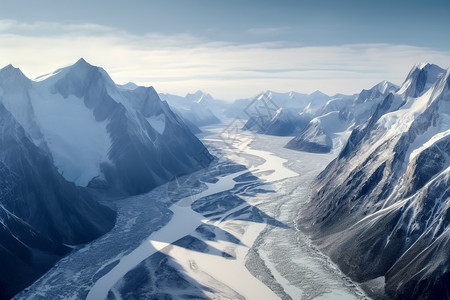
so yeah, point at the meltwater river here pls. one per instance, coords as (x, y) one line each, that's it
(236, 239)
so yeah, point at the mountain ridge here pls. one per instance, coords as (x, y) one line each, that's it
(383, 206)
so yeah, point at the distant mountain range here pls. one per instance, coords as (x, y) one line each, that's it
(329, 124)
(320, 123)
(197, 109)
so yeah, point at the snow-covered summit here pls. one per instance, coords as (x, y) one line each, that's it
(199, 97)
(92, 128)
(337, 117)
(318, 93)
(9, 75)
(377, 91)
(277, 113)
(420, 79)
(129, 86)
(386, 86)
(198, 109)
(76, 78)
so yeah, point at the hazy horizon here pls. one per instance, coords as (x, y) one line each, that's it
(230, 49)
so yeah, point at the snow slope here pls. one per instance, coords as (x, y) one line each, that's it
(78, 143)
(332, 122)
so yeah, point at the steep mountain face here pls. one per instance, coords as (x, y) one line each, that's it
(317, 137)
(14, 95)
(284, 122)
(25, 254)
(381, 210)
(39, 210)
(366, 103)
(103, 135)
(199, 108)
(327, 130)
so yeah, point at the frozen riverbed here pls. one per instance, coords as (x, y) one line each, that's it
(183, 222)
(236, 239)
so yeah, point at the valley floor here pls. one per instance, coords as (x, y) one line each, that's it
(226, 232)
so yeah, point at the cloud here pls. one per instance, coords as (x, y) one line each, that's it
(183, 63)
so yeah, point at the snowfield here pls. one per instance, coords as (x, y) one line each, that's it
(76, 140)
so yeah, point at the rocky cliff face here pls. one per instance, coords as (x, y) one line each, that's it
(39, 210)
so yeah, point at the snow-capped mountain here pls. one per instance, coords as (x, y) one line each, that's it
(68, 130)
(337, 117)
(39, 210)
(199, 108)
(381, 210)
(319, 122)
(284, 122)
(280, 114)
(317, 137)
(100, 134)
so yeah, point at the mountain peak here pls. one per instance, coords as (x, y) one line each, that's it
(195, 96)
(10, 72)
(75, 79)
(385, 86)
(431, 69)
(82, 61)
(129, 86)
(198, 96)
(10, 68)
(420, 79)
(317, 94)
(426, 66)
(82, 64)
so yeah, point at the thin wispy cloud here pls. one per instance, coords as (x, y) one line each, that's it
(184, 63)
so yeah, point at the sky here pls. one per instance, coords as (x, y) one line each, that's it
(230, 49)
